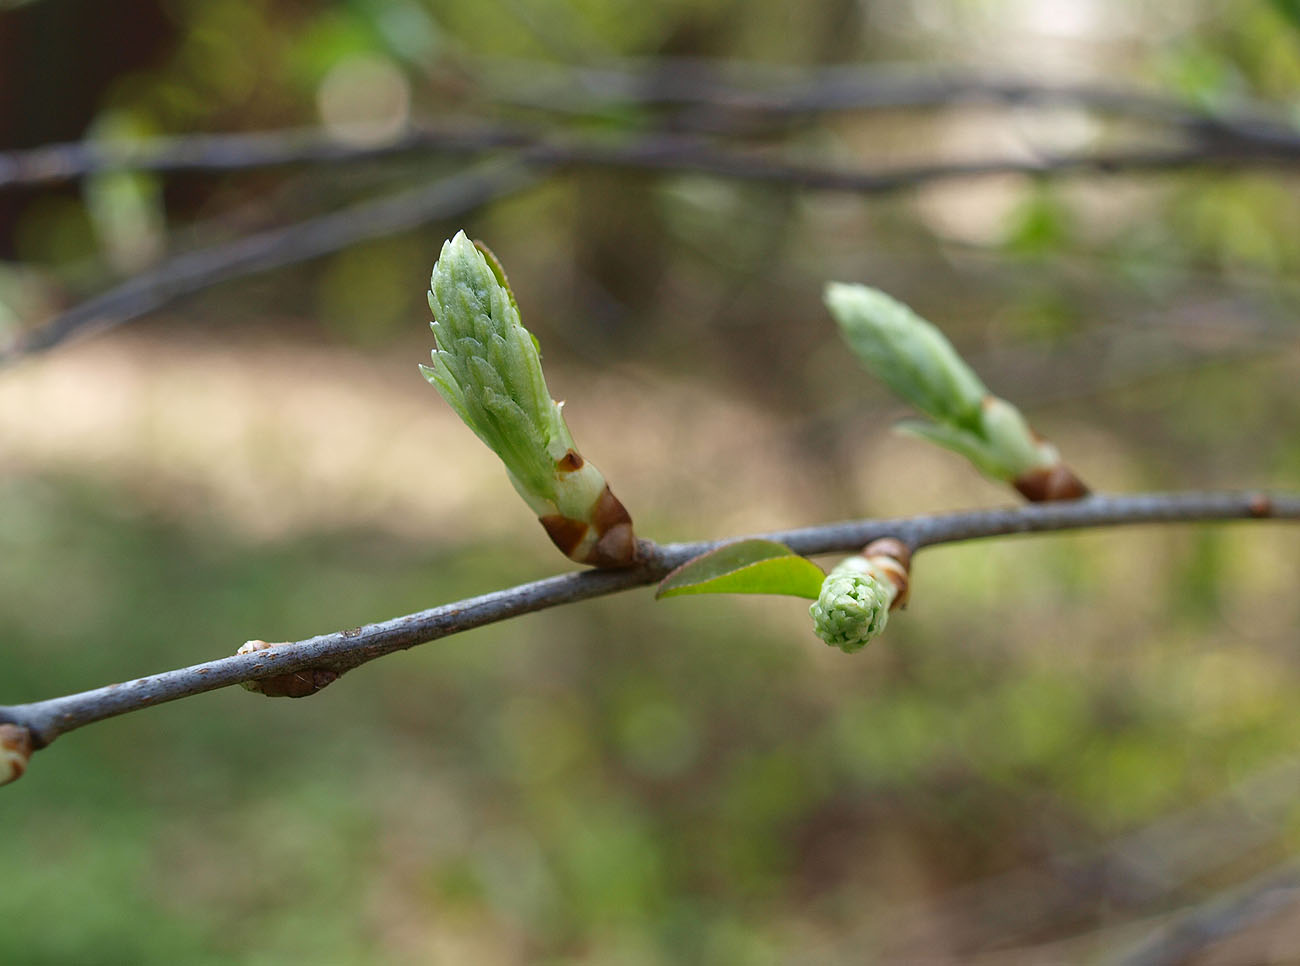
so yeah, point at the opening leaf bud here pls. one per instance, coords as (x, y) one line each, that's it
(488, 368)
(857, 595)
(920, 365)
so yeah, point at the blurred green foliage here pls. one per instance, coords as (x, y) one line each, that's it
(683, 781)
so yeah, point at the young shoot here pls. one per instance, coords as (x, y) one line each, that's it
(488, 367)
(916, 361)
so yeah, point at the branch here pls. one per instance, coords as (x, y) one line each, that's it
(731, 87)
(240, 152)
(1126, 874)
(1223, 915)
(43, 721)
(1217, 139)
(191, 272)
(668, 152)
(772, 91)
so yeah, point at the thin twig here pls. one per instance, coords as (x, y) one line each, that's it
(686, 154)
(1238, 142)
(1223, 915)
(240, 152)
(193, 271)
(773, 91)
(343, 650)
(1245, 129)
(1128, 873)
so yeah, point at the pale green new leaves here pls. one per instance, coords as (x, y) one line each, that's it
(906, 353)
(920, 365)
(854, 605)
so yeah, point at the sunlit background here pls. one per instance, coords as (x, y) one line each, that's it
(1062, 744)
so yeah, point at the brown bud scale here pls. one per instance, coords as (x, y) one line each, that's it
(615, 543)
(1050, 483)
(608, 541)
(570, 462)
(15, 751)
(564, 533)
(893, 558)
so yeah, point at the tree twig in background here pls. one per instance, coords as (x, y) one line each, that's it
(1130, 873)
(685, 154)
(1246, 137)
(1222, 916)
(241, 152)
(774, 91)
(274, 248)
(652, 151)
(336, 652)
(458, 194)
(1225, 138)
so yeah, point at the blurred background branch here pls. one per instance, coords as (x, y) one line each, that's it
(463, 193)
(1241, 134)
(769, 91)
(1245, 136)
(194, 271)
(1191, 932)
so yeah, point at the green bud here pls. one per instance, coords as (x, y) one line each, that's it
(920, 365)
(854, 605)
(488, 368)
(906, 353)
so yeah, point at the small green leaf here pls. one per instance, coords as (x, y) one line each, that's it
(494, 263)
(746, 567)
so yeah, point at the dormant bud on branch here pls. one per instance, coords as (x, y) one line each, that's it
(15, 752)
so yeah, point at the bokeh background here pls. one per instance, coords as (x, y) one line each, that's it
(1063, 743)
